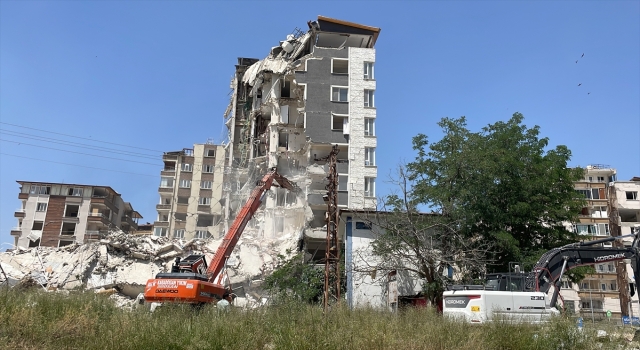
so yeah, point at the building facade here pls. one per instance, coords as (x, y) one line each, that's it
(316, 89)
(190, 191)
(608, 201)
(57, 214)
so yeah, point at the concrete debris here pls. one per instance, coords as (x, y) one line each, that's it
(121, 264)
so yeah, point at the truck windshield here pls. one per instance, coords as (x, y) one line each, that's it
(492, 285)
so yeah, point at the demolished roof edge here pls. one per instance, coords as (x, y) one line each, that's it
(375, 30)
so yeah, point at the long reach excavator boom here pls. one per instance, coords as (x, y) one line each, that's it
(190, 280)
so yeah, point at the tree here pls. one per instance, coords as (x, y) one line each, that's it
(424, 245)
(294, 279)
(501, 184)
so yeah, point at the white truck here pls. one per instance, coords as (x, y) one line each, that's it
(522, 297)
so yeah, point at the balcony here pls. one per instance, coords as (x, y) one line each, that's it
(165, 189)
(19, 213)
(168, 172)
(98, 217)
(163, 206)
(128, 220)
(161, 224)
(94, 235)
(23, 195)
(104, 201)
(16, 231)
(67, 233)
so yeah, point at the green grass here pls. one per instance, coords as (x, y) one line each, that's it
(38, 320)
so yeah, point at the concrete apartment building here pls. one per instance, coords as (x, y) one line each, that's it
(57, 214)
(599, 292)
(315, 89)
(190, 191)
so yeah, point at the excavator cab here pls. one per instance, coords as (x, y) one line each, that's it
(511, 282)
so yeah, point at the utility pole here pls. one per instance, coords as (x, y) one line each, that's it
(332, 253)
(621, 266)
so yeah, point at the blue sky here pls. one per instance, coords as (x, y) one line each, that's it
(149, 77)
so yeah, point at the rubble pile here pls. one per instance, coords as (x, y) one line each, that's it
(120, 264)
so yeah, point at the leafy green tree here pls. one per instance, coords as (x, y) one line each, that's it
(293, 279)
(502, 183)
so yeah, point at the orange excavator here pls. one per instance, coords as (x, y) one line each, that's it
(190, 280)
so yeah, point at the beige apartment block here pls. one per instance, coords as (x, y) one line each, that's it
(58, 214)
(191, 188)
(599, 292)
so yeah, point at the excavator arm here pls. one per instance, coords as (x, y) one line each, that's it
(246, 213)
(553, 264)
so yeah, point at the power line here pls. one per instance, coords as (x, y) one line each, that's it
(73, 144)
(86, 154)
(81, 166)
(83, 138)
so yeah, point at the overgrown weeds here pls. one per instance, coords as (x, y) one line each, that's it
(30, 320)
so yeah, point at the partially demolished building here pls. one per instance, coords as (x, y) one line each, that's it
(314, 90)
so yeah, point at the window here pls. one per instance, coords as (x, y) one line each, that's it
(368, 98)
(632, 195)
(41, 207)
(611, 268)
(369, 127)
(369, 156)
(68, 229)
(369, 186)
(160, 231)
(599, 229)
(207, 168)
(363, 225)
(204, 201)
(188, 152)
(166, 182)
(185, 183)
(339, 94)
(206, 185)
(75, 191)
(566, 285)
(186, 167)
(37, 225)
(339, 66)
(165, 200)
(339, 122)
(204, 220)
(202, 234)
(40, 189)
(600, 178)
(368, 70)
(603, 286)
(71, 211)
(613, 286)
(585, 193)
(343, 180)
(210, 153)
(183, 200)
(588, 304)
(285, 88)
(180, 216)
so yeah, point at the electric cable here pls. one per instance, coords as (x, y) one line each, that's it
(81, 166)
(83, 138)
(82, 145)
(86, 154)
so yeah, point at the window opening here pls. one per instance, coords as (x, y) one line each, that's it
(41, 207)
(368, 70)
(339, 94)
(368, 98)
(339, 66)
